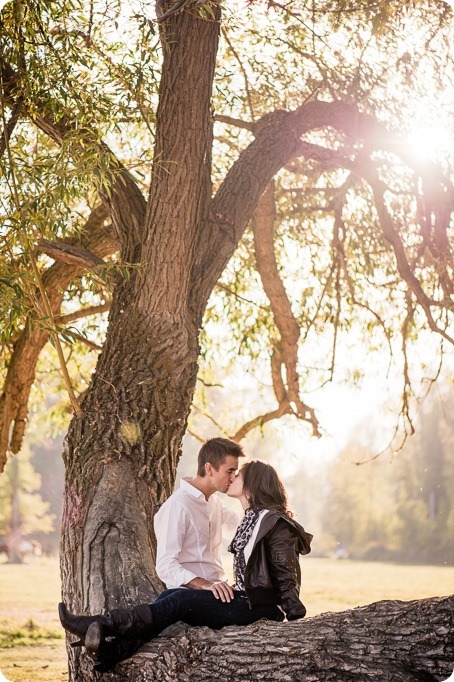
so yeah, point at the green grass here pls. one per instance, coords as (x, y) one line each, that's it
(32, 646)
(330, 585)
(32, 643)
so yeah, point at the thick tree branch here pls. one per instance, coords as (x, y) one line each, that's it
(277, 141)
(27, 348)
(68, 253)
(389, 641)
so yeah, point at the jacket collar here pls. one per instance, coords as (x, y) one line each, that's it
(269, 521)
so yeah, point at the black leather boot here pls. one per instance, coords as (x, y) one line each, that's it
(133, 623)
(77, 625)
(107, 653)
(129, 623)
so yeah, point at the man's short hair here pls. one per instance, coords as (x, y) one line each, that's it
(215, 451)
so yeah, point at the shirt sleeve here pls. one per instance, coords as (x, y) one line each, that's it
(170, 530)
(230, 519)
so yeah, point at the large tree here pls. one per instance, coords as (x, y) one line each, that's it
(109, 152)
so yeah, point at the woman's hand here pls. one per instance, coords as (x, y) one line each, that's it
(222, 591)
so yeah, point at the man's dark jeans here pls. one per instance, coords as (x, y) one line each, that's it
(194, 607)
(200, 607)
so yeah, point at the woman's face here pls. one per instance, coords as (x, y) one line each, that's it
(236, 487)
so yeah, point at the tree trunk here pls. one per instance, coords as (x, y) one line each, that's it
(389, 641)
(121, 457)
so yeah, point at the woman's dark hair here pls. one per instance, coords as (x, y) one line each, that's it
(263, 487)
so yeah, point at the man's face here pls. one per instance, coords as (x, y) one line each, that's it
(223, 477)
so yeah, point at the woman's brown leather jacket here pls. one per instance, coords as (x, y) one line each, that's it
(273, 573)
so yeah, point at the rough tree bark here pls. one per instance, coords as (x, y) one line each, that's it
(389, 641)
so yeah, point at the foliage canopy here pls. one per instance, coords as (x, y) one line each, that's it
(353, 232)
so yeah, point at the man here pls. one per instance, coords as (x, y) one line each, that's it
(189, 524)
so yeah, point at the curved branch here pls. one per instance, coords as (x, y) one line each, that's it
(28, 346)
(392, 236)
(263, 223)
(277, 141)
(260, 420)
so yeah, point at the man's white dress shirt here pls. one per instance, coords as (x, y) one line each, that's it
(189, 536)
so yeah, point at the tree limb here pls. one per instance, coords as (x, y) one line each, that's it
(277, 141)
(390, 641)
(9, 128)
(27, 348)
(236, 122)
(263, 224)
(260, 420)
(68, 253)
(83, 312)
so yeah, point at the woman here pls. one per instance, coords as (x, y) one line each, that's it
(266, 571)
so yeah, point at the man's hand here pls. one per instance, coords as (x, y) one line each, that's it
(220, 589)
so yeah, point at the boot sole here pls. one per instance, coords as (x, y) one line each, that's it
(93, 639)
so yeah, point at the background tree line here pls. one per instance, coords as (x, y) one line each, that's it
(357, 506)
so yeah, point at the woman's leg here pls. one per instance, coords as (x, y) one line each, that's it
(200, 607)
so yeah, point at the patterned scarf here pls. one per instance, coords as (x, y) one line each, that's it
(240, 540)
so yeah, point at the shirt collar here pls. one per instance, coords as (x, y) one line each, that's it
(186, 485)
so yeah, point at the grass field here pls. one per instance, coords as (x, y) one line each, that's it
(32, 646)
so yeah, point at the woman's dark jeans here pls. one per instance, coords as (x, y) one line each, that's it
(200, 607)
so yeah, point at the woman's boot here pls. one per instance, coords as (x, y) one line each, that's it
(136, 622)
(107, 653)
